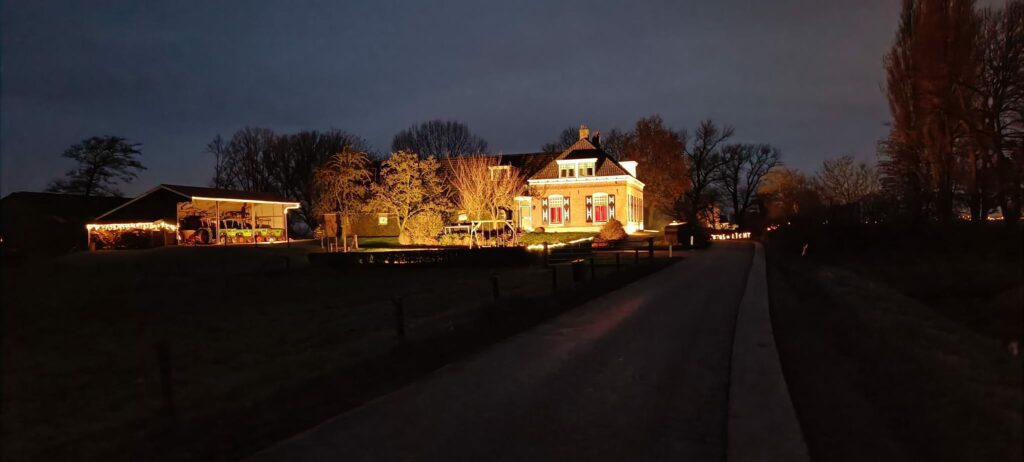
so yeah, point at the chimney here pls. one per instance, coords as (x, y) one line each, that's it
(596, 140)
(584, 132)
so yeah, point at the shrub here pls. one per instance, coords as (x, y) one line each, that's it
(422, 229)
(454, 240)
(612, 231)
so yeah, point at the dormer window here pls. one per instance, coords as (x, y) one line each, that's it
(573, 168)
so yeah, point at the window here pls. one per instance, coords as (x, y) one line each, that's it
(497, 170)
(587, 169)
(382, 220)
(566, 170)
(555, 210)
(600, 208)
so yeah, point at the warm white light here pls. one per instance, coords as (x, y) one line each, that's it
(145, 226)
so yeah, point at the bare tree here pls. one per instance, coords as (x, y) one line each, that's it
(787, 192)
(568, 137)
(843, 181)
(258, 160)
(743, 169)
(484, 188)
(102, 162)
(616, 143)
(294, 159)
(996, 118)
(704, 160)
(928, 67)
(439, 139)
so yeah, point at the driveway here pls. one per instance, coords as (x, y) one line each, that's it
(642, 373)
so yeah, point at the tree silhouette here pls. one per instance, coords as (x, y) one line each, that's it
(102, 162)
(438, 139)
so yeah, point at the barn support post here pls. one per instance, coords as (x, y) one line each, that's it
(252, 221)
(287, 239)
(216, 223)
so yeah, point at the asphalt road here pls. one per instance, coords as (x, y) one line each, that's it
(642, 373)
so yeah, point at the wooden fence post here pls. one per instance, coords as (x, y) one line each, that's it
(399, 317)
(554, 279)
(163, 357)
(592, 273)
(545, 257)
(495, 289)
(650, 248)
(636, 256)
(618, 261)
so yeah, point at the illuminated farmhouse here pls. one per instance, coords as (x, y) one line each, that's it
(190, 215)
(581, 189)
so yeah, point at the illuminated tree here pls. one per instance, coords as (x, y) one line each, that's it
(658, 151)
(102, 162)
(343, 184)
(410, 186)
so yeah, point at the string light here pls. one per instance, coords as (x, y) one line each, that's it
(558, 244)
(144, 226)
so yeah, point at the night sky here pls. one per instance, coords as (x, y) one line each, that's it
(803, 75)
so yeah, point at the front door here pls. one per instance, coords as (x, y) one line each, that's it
(526, 217)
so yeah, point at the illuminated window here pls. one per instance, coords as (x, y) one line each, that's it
(555, 210)
(567, 170)
(382, 220)
(587, 169)
(498, 170)
(600, 208)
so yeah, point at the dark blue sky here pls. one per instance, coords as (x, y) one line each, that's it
(803, 75)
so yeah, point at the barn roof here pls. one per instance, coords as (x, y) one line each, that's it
(151, 205)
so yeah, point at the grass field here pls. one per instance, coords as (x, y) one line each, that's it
(894, 345)
(244, 324)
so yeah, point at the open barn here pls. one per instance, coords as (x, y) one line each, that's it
(192, 215)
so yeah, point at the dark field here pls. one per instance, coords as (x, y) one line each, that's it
(261, 344)
(895, 342)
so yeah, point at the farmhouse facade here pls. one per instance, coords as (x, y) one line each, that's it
(581, 189)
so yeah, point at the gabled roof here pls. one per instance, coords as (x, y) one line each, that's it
(194, 192)
(583, 149)
(217, 193)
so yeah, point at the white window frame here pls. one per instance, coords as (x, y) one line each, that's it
(594, 198)
(561, 207)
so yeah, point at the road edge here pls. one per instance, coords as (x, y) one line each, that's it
(762, 422)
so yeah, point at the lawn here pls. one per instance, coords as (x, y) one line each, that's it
(894, 343)
(552, 238)
(246, 327)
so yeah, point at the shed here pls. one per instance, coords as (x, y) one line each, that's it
(192, 215)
